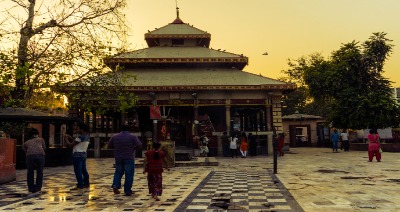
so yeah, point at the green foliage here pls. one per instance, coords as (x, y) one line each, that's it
(348, 89)
(99, 93)
(14, 129)
(66, 43)
(294, 101)
(46, 101)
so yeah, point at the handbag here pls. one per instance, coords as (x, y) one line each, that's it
(380, 150)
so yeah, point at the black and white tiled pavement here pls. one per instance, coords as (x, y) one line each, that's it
(229, 186)
(246, 191)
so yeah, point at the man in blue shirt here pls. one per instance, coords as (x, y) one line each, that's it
(124, 145)
(335, 140)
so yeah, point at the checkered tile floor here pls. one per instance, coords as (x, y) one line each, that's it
(244, 191)
(200, 188)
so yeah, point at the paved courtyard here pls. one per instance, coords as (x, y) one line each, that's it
(308, 179)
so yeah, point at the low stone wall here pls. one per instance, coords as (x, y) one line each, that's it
(7, 160)
(386, 147)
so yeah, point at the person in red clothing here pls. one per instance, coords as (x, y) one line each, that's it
(153, 165)
(281, 140)
(373, 145)
(243, 147)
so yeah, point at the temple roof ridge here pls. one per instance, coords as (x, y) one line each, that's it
(176, 29)
(260, 75)
(176, 52)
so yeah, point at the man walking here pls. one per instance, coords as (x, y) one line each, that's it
(124, 145)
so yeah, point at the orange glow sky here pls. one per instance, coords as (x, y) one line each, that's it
(283, 28)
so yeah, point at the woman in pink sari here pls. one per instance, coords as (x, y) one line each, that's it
(373, 146)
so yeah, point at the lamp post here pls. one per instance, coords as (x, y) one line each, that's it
(274, 138)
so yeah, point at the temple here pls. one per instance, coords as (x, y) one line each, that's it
(186, 89)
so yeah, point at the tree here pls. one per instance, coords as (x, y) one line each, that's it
(300, 100)
(58, 41)
(350, 84)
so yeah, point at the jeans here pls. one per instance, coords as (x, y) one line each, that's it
(81, 173)
(335, 145)
(121, 167)
(34, 162)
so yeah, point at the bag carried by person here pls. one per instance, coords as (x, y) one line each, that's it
(380, 150)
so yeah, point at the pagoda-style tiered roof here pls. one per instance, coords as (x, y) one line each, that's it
(177, 44)
(178, 55)
(201, 79)
(179, 58)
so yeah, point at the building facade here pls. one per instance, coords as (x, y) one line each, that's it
(186, 89)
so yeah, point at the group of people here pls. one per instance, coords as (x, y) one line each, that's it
(374, 144)
(232, 145)
(124, 145)
(343, 137)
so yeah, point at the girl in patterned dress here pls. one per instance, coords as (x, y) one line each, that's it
(153, 165)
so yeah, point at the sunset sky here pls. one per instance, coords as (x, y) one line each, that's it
(283, 28)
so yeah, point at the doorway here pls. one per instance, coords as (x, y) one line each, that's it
(300, 135)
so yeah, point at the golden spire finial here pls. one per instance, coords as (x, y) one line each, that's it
(177, 9)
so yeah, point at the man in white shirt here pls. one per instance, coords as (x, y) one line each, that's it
(345, 140)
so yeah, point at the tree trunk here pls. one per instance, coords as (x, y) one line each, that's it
(23, 65)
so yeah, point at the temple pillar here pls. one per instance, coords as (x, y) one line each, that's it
(196, 120)
(195, 127)
(196, 112)
(228, 118)
(268, 117)
(227, 128)
(277, 113)
(268, 124)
